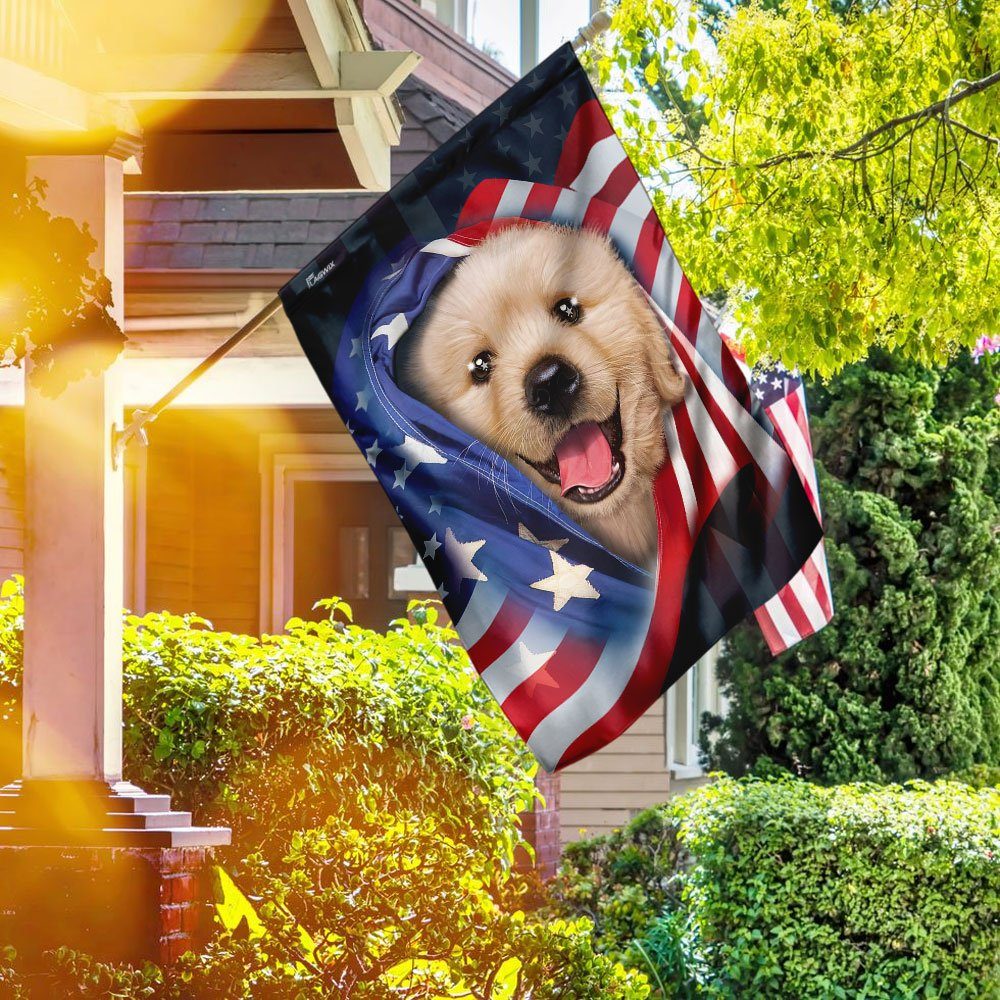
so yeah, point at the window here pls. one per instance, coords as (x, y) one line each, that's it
(694, 694)
(327, 529)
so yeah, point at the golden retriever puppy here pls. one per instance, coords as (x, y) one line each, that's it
(542, 345)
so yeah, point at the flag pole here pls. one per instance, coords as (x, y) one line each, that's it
(135, 429)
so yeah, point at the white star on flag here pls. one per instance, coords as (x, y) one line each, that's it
(392, 330)
(442, 592)
(431, 546)
(414, 453)
(460, 555)
(355, 347)
(401, 476)
(373, 453)
(435, 507)
(363, 399)
(555, 544)
(567, 581)
(535, 672)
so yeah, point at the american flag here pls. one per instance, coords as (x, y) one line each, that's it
(574, 642)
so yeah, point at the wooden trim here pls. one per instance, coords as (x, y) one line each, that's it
(284, 458)
(204, 279)
(249, 76)
(34, 102)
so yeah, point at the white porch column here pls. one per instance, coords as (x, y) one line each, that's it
(73, 556)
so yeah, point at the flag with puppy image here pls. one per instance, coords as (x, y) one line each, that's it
(596, 486)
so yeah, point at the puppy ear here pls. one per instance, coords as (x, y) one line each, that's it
(669, 383)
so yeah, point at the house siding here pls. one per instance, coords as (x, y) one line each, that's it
(606, 789)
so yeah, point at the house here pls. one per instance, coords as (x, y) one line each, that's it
(251, 501)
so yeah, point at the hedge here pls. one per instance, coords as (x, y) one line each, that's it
(372, 785)
(784, 889)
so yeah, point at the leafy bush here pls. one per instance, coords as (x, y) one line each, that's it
(782, 888)
(905, 681)
(372, 786)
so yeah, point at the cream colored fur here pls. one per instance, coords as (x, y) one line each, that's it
(501, 299)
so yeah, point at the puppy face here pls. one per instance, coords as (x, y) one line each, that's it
(543, 346)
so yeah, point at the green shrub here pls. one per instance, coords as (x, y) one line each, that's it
(788, 889)
(905, 681)
(373, 787)
(979, 776)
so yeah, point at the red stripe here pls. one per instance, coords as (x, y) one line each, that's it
(503, 632)
(734, 377)
(541, 201)
(796, 403)
(482, 202)
(697, 463)
(772, 636)
(533, 699)
(730, 436)
(599, 215)
(805, 475)
(688, 313)
(818, 582)
(648, 250)
(620, 183)
(800, 620)
(590, 125)
(647, 679)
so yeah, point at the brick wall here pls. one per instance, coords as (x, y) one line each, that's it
(118, 904)
(541, 827)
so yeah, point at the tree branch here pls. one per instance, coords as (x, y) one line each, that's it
(860, 145)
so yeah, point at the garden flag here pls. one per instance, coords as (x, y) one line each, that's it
(597, 487)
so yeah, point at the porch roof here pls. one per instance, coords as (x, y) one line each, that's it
(273, 231)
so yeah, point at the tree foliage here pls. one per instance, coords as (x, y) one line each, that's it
(832, 168)
(54, 306)
(905, 680)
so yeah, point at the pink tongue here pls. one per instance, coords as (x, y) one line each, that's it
(584, 457)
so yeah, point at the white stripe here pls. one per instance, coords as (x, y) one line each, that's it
(624, 231)
(540, 635)
(798, 447)
(666, 287)
(637, 201)
(766, 452)
(479, 613)
(786, 629)
(680, 467)
(570, 207)
(447, 248)
(807, 599)
(602, 159)
(589, 703)
(721, 463)
(511, 204)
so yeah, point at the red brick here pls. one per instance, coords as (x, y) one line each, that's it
(171, 948)
(180, 889)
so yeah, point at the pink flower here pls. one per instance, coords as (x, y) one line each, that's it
(467, 722)
(985, 345)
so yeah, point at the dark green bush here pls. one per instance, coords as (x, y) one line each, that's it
(785, 889)
(905, 681)
(372, 785)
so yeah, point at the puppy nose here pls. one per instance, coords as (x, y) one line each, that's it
(552, 387)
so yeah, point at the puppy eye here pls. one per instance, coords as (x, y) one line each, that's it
(568, 310)
(481, 366)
